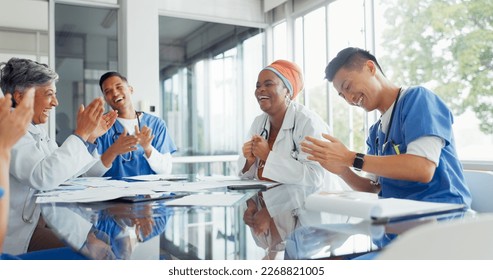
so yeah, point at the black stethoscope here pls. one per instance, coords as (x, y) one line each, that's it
(265, 134)
(117, 134)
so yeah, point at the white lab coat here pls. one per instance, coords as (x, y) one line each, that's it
(38, 164)
(300, 176)
(280, 166)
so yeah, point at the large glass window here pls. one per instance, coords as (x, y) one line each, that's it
(85, 48)
(208, 94)
(445, 46)
(319, 35)
(348, 121)
(280, 41)
(311, 53)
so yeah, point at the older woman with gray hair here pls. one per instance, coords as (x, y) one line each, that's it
(37, 163)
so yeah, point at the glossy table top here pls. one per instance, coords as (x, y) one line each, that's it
(155, 230)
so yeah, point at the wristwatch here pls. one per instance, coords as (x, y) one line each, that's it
(358, 161)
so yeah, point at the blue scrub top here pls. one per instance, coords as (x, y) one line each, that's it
(134, 163)
(420, 113)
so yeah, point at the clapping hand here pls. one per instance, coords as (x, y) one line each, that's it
(14, 123)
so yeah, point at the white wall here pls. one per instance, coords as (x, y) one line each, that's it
(140, 51)
(237, 12)
(24, 14)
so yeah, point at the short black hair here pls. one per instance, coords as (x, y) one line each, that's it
(348, 57)
(108, 75)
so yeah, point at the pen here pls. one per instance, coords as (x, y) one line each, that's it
(396, 149)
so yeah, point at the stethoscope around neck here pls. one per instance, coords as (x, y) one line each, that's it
(386, 140)
(265, 134)
(128, 156)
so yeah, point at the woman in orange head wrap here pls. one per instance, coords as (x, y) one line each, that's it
(272, 151)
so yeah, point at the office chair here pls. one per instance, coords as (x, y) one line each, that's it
(462, 239)
(481, 185)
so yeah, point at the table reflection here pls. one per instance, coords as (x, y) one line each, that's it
(356, 237)
(155, 230)
(285, 205)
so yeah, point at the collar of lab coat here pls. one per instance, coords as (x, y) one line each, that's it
(289, 118)
(288, 122)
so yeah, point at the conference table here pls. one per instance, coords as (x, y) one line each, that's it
(163, 229)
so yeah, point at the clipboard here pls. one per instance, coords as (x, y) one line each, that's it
(253, 185)
(258, 187)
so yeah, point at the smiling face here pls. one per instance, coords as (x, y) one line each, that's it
(271, 93)
(44, 100)
(117, 94)
(359, 87)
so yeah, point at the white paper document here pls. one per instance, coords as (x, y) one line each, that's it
(158, 177)
(227, 199)
(370, 207)
(93, 190)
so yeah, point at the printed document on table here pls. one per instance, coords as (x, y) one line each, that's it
(100, 190)
(158, 177)
(227, 199)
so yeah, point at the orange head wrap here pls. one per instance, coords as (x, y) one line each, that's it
(290, 74)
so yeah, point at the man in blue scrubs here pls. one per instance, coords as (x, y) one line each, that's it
(138, 143)
(411, 148)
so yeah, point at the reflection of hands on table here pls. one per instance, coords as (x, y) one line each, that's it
(308, 241)
(258, 220)
(98, 248)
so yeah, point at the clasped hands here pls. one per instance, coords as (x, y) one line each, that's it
(258, 220)
(257, 147)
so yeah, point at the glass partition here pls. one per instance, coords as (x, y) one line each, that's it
(208, 73)
(85, 48)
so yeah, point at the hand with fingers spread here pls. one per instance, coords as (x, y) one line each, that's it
(104, 125)
(331, 154)
(88, 118)
(124, 143)
(143, 227)
(145, 138)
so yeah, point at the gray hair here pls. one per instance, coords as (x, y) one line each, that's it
(20, 74)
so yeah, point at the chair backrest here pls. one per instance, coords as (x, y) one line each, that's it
(480, 184)
(462, 239)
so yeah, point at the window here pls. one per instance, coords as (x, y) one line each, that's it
(445, 46)
(208, 96)
(320, 34)
(85, 48)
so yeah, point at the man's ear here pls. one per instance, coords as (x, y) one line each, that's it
(371, 66)
(131, 88)
(18, 97)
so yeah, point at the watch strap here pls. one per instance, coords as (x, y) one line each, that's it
(358, 162)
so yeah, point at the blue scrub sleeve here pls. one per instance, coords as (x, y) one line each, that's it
(1, 192)
(90, 146)
(425, 114)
